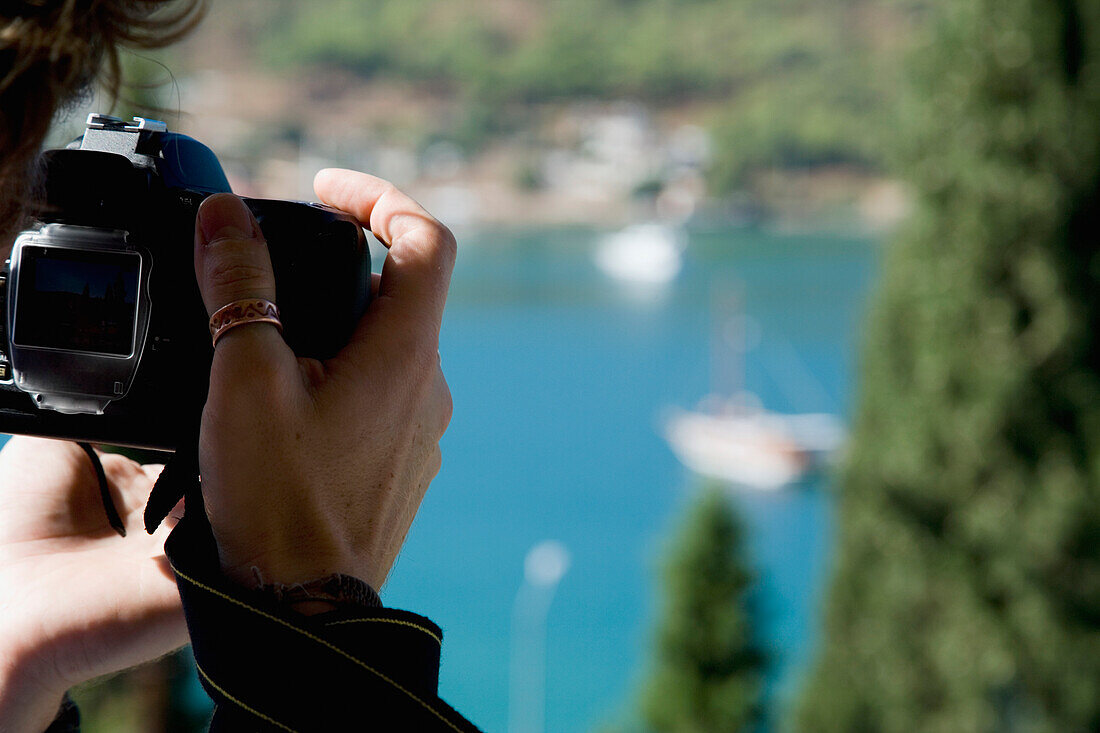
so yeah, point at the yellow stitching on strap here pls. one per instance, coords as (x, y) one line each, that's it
(237, 702)
(388, 621)
(317, 639)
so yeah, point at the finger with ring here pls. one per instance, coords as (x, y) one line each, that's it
(243, 312)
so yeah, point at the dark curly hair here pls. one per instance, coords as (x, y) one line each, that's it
(52, 50)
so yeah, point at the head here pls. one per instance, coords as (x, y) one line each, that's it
(53, 50)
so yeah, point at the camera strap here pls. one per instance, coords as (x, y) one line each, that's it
(104, 491)
(178, 480)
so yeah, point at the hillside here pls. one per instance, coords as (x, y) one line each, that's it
(778, 85)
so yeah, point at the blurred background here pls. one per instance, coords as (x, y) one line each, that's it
(770, 340)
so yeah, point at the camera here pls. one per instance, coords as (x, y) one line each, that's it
(104, 333)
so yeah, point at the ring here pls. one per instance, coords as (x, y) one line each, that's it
(241, 312)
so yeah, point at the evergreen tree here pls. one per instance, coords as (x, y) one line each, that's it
(707, 673)
(966, 595)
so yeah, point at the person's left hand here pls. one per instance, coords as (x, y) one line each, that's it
(76, 600)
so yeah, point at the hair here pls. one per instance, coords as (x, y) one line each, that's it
(51, 51)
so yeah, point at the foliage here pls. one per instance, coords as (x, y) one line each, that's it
(966, 595)
(146, 84)
(162, 696)
(817, 86)
(541, 51)
(707, 672)
(787, 83)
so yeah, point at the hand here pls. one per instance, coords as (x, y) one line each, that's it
(76, 600)
(310, 468)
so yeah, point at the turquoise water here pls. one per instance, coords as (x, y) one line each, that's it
(559, 378)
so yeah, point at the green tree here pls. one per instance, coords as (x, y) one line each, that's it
(707, 672)
(782, 83)
(966, 595)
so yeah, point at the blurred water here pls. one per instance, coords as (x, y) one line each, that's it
(559, 378)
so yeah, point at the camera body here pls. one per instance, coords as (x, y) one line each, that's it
(104, 333)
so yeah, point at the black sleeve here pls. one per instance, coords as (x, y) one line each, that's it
(268, 667)
(68, 718)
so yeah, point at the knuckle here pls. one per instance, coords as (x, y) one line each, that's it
(432, 241)
(388, 189)
(252, 400)
(424, 353)
(435, 463)
(448, 245)
(236, 274)
(251, 372)
(445, 407)
(265, 377)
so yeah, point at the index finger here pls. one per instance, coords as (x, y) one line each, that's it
(422, 250)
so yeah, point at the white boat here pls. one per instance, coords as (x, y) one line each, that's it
(748, 446)
(642, 254)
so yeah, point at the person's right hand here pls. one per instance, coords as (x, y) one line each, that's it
(310, 468)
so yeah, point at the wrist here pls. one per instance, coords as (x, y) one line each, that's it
(306, 561)
(266, 571)
(327, 593)
(27, 703)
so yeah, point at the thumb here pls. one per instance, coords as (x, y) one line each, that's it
(232, 263)
(231, 259)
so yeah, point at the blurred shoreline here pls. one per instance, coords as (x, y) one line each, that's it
(578, 162)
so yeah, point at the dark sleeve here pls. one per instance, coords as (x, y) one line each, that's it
(269, 668)
(68, 718)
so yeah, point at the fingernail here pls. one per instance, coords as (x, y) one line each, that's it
(224, 216)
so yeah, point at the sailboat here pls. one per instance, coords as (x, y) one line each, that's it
(735, 440)
(738, 442)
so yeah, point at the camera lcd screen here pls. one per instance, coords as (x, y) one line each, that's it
(77, 300)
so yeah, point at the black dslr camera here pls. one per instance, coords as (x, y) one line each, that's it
(104, 336)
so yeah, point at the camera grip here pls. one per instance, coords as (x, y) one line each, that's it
(322, 273)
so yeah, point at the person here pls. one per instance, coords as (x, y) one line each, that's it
(311, 472)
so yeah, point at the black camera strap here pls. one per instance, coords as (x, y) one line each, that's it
(178, 480)
(104, 491)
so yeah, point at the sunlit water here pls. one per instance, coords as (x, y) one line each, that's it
(560, 377)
